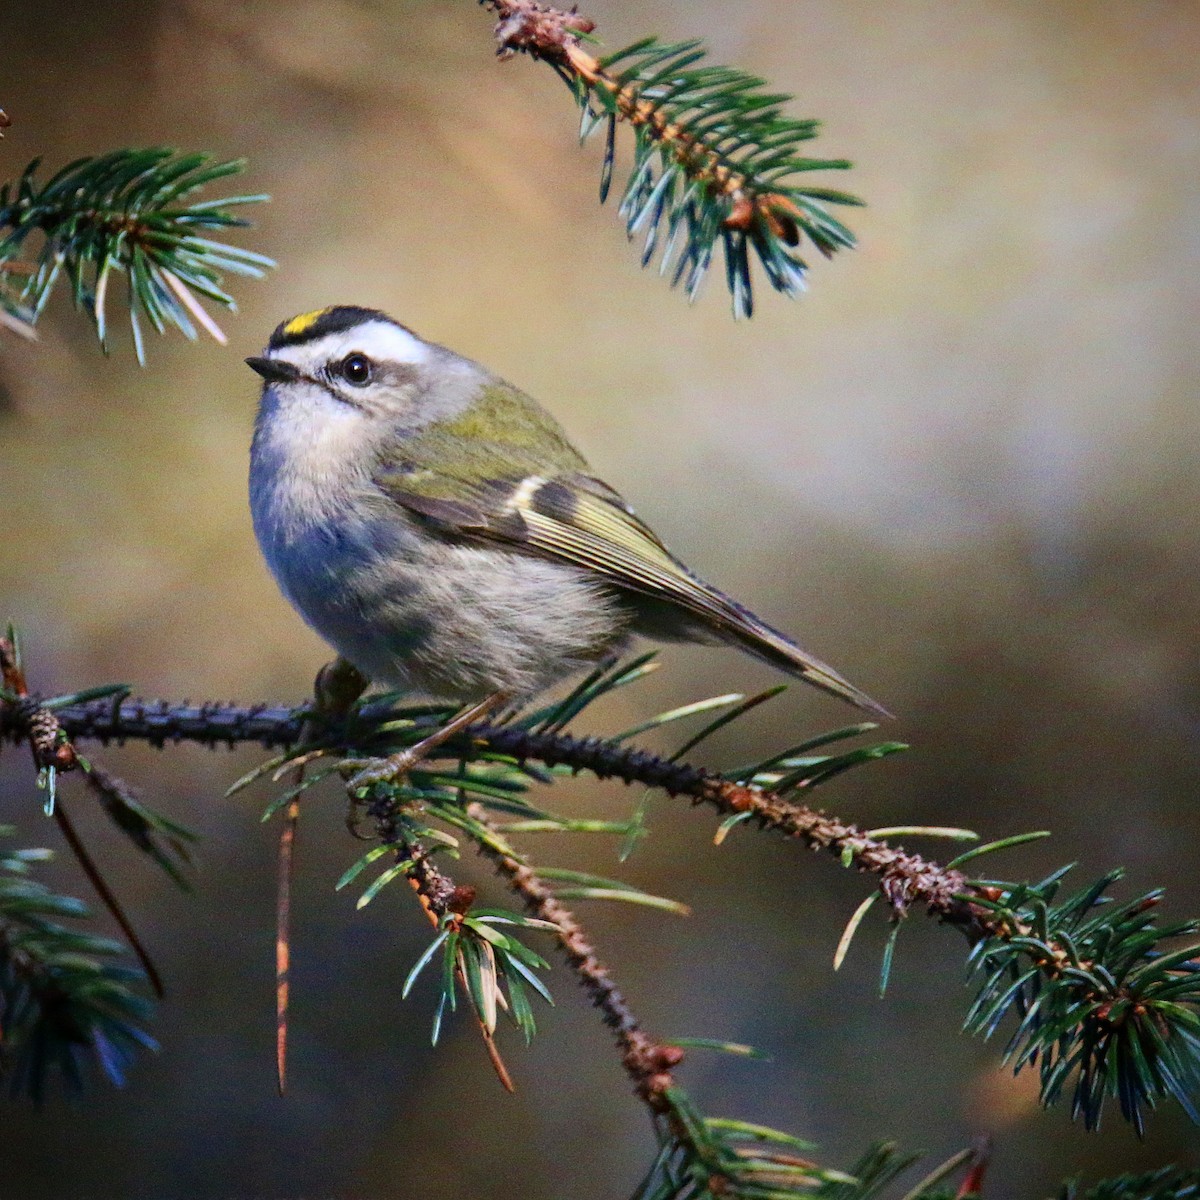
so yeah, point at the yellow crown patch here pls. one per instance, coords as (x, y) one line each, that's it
(299, 326)
(321, 322)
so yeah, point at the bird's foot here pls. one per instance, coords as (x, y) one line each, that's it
(393, 769)
(397, 767)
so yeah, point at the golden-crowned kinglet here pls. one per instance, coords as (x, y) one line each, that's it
(433, 523)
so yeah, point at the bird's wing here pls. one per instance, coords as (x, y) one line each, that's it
(573, 518)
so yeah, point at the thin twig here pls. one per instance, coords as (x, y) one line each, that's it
(905, 878)
(438, 895)
(283, 932)
(107, 895)
(647, 1062)
(52, 750)
(158, 722)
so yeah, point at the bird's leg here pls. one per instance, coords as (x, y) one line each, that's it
(337, 686)
(397, 766)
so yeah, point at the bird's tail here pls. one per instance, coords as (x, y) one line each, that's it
(771, 646)
(756, 636)
(700, 612)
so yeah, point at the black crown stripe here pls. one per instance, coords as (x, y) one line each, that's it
(309, 326)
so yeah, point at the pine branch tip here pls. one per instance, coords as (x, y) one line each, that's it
(714, 155)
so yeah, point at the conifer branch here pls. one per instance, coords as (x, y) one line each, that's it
(717, 162)
(698, 1156)
(64, 1001)
(129, 213)
(905, 878)
(647, 1062)
(1167, 1183)
(1097, 997)
(475, 955)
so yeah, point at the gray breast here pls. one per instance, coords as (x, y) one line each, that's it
(412, 607)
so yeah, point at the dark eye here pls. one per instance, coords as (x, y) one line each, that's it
(356, 369)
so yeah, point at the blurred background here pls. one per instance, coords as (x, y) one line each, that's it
(964, 469)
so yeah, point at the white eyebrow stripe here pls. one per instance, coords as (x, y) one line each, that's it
(384, 342)
(380, 341)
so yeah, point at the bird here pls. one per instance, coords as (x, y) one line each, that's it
(434, 524)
